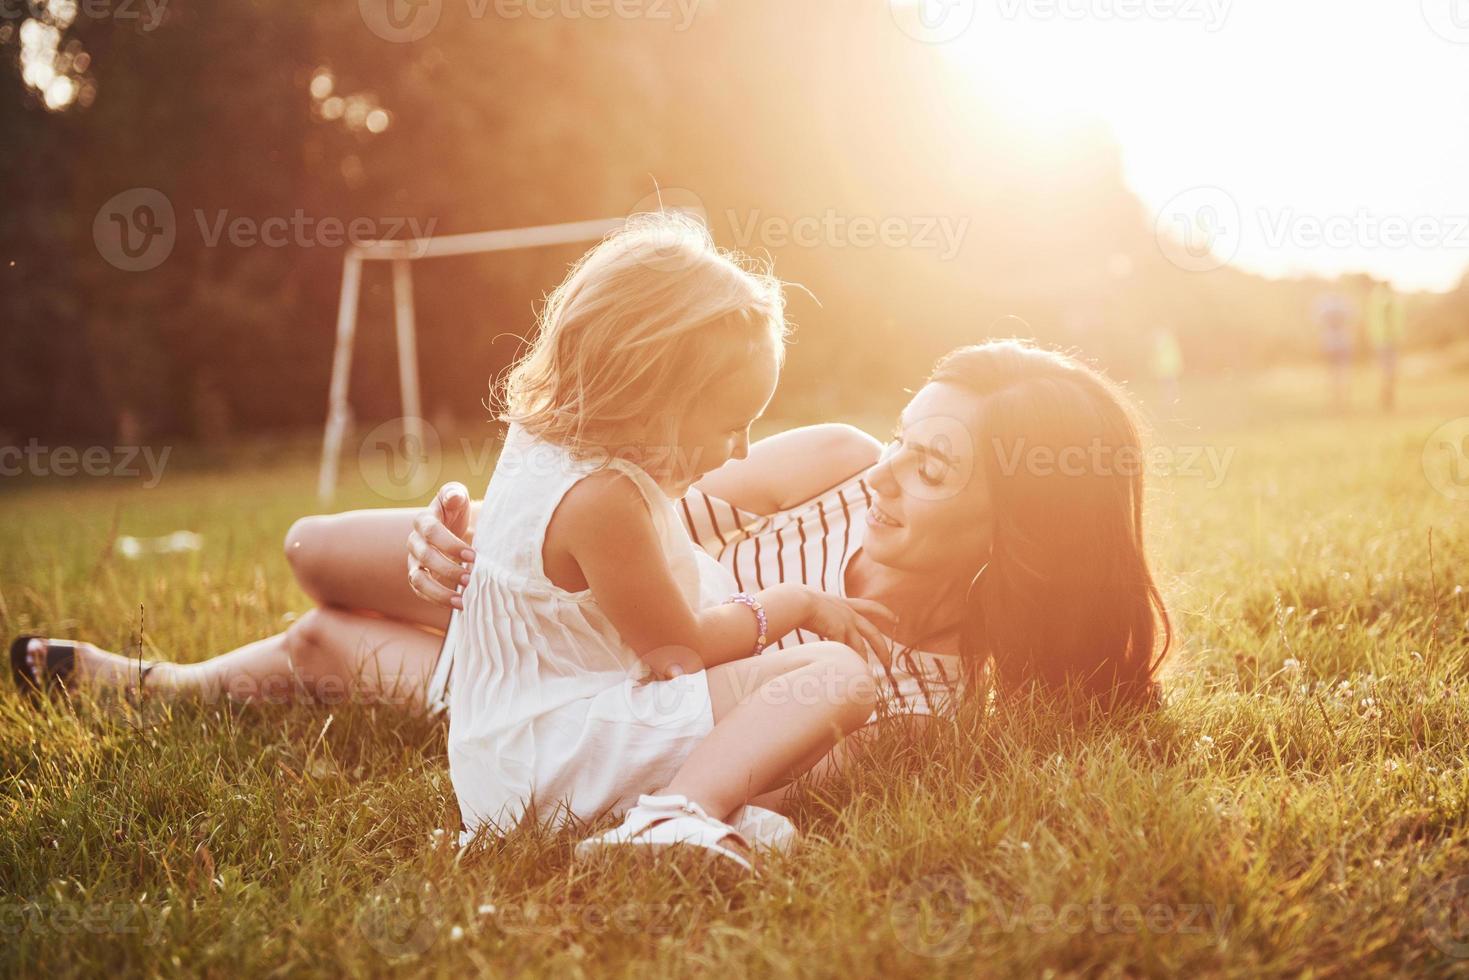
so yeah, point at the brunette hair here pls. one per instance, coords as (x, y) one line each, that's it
(1066, 601)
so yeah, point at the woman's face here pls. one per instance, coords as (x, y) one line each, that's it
(931, 509)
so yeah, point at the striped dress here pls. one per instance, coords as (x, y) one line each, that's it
(810, 543)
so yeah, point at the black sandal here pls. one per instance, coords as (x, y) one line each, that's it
(60, 662)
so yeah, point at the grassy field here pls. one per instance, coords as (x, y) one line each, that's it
(1301, 805)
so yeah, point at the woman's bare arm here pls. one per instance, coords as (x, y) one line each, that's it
(792, 466)
(781, 471)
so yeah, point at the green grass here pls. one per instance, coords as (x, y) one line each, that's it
(1301, 805)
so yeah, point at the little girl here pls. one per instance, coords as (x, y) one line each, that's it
(601, 655)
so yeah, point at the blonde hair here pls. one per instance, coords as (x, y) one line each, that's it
(640, 326)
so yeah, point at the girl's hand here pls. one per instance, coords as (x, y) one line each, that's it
(850, 621)
(437, 549)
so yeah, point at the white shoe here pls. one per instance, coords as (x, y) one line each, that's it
(766, 829)
(660, 822)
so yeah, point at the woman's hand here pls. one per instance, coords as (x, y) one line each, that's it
(437, 549)
(850, 621)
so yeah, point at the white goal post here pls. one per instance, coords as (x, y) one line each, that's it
(401, 253)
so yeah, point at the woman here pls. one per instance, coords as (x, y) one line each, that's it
(1002, 524)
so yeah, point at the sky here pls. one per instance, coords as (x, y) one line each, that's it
(1302, 136)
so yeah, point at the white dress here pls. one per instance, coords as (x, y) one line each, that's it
(812, 543)
(550, 714)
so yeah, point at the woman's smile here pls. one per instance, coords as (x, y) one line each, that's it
(876, 517)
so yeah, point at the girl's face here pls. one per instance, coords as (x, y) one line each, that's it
(931, 509)
(716, 427)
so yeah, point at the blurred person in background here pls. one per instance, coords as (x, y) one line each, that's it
(1385, 321)
(1334, 315)
(1166, 362)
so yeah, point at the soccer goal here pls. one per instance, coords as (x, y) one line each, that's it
(402, 254)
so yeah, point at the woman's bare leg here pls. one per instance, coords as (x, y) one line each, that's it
(263, 666)
(358, 560)
(354, 560)
(338, 656)
(774, 717)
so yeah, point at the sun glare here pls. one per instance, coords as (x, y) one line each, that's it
(1341, 142)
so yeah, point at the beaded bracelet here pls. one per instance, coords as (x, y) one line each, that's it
(761, 624)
